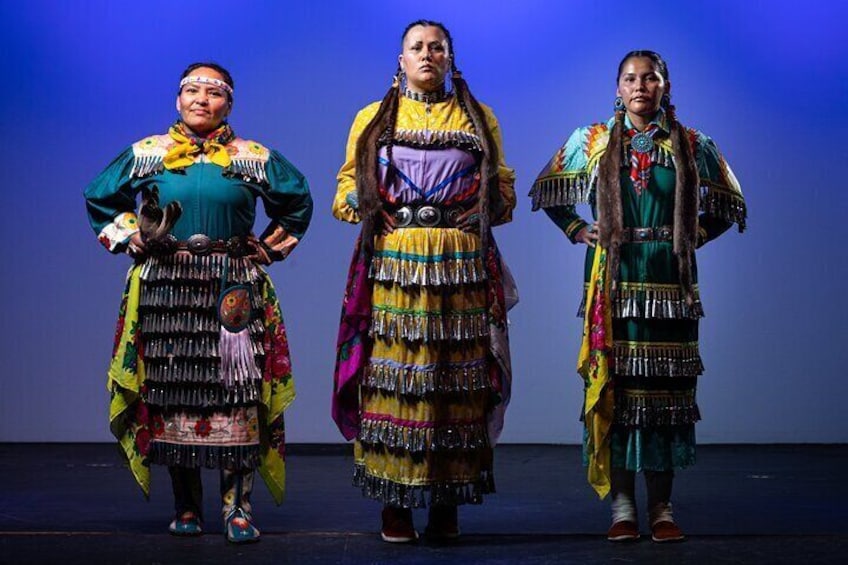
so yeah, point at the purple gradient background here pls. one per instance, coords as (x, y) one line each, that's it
(767, 80)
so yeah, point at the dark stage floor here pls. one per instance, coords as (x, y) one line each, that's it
(64, 503)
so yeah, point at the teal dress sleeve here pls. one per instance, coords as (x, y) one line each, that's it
(286, 198)
(110, 200)
(564, 182)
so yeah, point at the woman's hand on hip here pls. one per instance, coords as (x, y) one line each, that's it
(388, 222)
(469, 221)
(588, 234)
(135, 247)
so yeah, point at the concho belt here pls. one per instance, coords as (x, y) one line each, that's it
(427, 216)
(639, 235)
(200, 245)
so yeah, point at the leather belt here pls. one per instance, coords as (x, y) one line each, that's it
(427, 216)
(201, 245)
(640, 235)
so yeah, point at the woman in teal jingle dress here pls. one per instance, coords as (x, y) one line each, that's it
(200, 374)
(657, 192)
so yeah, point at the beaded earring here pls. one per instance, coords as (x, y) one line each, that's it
(618, 105)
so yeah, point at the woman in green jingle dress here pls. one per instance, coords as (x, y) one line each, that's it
(657, 191)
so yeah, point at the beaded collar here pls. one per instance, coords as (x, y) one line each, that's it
(427, 97)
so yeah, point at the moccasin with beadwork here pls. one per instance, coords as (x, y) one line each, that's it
(240, 528)
(186, 525)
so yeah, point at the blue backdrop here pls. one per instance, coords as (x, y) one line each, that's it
(767, 80)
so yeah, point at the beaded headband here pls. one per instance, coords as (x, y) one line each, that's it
(207, 80)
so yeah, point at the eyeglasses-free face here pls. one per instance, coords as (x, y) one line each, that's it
(203, 107)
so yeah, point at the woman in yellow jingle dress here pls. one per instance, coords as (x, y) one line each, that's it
(423, 370)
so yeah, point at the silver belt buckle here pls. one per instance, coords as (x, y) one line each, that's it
(403, 216)
(642, 234)
(663, 233)
(428, 216)
(199, 244)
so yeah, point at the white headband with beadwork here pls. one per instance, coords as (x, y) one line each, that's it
(207, 80)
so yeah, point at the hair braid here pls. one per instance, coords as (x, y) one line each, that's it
(610, 212)
(489, 195)
(367, 168)
(686, 195)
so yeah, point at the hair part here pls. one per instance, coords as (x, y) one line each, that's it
(659, 63)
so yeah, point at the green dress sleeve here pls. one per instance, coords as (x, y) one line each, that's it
(567, 219)
(722, 203)
(110, 200)
(287, 200)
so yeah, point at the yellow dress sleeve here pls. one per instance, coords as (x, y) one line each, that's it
(506, 175)
(346, 188)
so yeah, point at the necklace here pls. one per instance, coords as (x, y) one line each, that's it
(643, 142)
(427, 97)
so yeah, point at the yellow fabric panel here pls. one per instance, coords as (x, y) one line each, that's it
(467, 409)
(433, 300)
(125, 377)
(427, 242)
(425, 354)
(593, 365)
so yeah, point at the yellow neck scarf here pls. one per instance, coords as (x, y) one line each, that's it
(188, 147)
(594, 366)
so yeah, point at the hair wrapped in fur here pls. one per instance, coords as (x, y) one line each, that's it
(367, 148)
(489, 194)
(610, 214)
(686, 192)
(367, 171)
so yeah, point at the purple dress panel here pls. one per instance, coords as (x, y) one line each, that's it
(439, 176)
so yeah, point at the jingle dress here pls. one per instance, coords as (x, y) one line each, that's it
(655, 358)
(423, 372)
(180, 393)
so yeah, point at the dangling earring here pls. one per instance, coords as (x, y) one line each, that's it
(396, 80)
(665, 101)
(618, 105)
